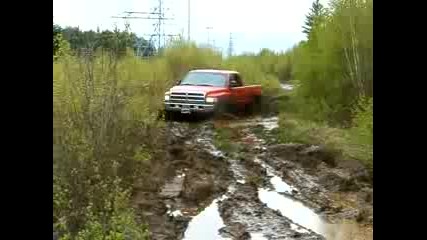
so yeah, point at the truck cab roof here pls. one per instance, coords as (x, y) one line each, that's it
(215, 71)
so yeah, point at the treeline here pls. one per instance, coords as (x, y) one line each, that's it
(79, 40)
(334, 66)
(105, 107)
(333, 71)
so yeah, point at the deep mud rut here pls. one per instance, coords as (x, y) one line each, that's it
(257, 190)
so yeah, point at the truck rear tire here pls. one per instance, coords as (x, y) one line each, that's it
(256, 104)
(220, 109)
(254, 107)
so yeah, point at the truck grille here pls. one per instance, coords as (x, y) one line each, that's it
(183, 97)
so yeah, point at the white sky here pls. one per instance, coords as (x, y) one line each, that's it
(255, 24)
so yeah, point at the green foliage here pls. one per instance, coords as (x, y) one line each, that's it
(106, 104)
(334, 83)
(112, 40)
(180, 57)
(120, 226)
(362, 130)
(223, 140)
(105, 130)
(60, 45)
(335, 67)
(104, 140)
(352, 143)
(314, 18)
(256, 70)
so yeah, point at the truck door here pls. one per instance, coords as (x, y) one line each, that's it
(237, 90)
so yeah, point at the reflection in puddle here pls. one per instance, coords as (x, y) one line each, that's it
(287, 86)
(279, 185)
(270, 123)
(206, 224)
(298, 229)
(294, 210)
(257, 236)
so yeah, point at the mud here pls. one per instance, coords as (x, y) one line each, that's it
(257, 189)
(194, 177)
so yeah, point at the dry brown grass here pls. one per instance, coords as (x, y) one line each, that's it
(349, 231)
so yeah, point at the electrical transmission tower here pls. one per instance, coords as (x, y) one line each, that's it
(157, 14)
(230, 46)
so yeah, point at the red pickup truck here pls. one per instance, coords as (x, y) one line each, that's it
(211, 91)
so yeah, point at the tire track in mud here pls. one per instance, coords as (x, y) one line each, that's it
(242, 194)
(244, 215)
(194, 178)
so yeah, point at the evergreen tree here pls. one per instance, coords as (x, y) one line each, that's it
(317, 12)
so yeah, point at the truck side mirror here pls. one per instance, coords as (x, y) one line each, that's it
(233, 83)
(177, 82)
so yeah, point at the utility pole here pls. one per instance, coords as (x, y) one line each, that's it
(158, 15)
(160, 23)
(230, 46)
(209, 40)
(189, 18)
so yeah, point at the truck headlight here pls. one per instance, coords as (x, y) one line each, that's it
(167, 96)
(211, 99)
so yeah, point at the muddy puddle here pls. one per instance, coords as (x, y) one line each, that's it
(245, 194)
(287, 86)
(268, 123)
(278, 198)
(206, 224)
(294, 210)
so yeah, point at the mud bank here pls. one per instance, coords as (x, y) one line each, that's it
(253, 189)
(314, 190)
(192, 178)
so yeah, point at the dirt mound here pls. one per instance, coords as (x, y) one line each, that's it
(334, 182)
(308, 156)
(187, 175)
(198, 188)
(235, 231)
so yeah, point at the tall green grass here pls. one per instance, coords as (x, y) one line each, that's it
(106, 131)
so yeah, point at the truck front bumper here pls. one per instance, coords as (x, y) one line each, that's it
(187, 108)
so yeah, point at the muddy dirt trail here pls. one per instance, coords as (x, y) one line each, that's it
(232, 181)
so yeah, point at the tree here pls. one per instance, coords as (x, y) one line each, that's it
(314, 17)
(115, 40)
(59, 44)
(56, 41)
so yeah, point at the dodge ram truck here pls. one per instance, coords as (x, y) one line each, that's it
(210, 91)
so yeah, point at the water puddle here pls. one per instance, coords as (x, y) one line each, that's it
(257, 236)
(287, 86)
(270, 123)
(173, 188)
(292, 209)
(298, 229)
(206, 224)
(279, 185)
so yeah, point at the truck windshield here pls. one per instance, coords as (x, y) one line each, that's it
(204, 79)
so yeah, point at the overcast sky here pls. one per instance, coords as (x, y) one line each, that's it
(254, 24)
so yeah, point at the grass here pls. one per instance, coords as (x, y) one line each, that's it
(223, 140)
(106, 129)
(348, 142)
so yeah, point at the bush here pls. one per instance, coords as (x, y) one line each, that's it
(105, 129)
(362, 130)
(334, 66)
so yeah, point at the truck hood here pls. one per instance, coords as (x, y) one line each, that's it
(203, 89)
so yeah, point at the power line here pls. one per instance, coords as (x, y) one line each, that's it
(230, 46)
(156, 14)
(189, 18)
